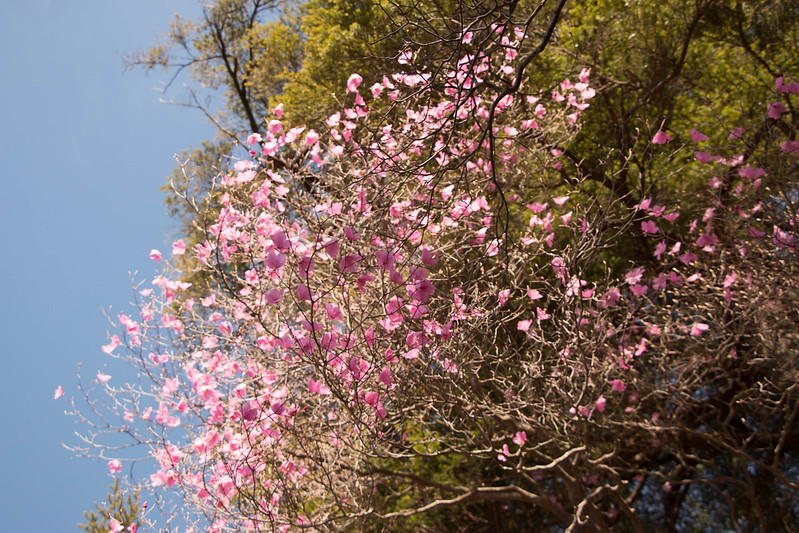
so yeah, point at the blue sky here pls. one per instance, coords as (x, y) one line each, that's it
(84, 146)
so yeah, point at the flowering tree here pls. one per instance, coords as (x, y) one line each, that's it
(408, 320)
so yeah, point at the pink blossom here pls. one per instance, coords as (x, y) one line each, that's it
(178, 247)
(736, 133)
(115, 526)
(102, 378)
(349, 263)
(750, 172)
(635, 275)
(109, 348)
(280, 241)
(114, 466)
(704, 157)
(520, 438)
(790, 147)
(698, 137)
(523, 325)
(353, 82)
(648, 226)
(59, 392)
(600, 404)
(618, 385)
(698, 328)
(303, 292)
(385, 376)
(775, 110)
(155, 255)
(503, 296)
(661, 138)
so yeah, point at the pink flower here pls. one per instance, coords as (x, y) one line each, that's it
(178, 247)
(750, 172)
(108, 348)
(617, 385)
(520, 438)
(59, 392)
(503, 296)
(600, 404)
(647, 226)
(635, 275)
(385, 376)
(155, 255)
(303, 292)
(736, 133)
(789, 147)
(114, 466)
(523, 325)
(776, 110)
(280, 241)
(698, 328)
(353, 82)
(661, 138)
(698, 137)
(704, 157)
(275, 260)
(254, 138)
(349, 263)
(102, 378)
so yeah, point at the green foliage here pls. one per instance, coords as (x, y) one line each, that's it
(124, 507)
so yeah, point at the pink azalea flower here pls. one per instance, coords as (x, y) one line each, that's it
(108, 348)
(750, 172)
(178, 247)
(736, 133)
(115, 526)
(520, 438)
(704, 157)
(661, 138)
(353, 82)
(114, 466)
(775, 110)
(600, 404)
(273, 296)
(698, 137)
(503, 296)
(303, 292)
(523, 325)
(648, 226)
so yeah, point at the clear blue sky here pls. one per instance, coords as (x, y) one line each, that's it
(84, 146)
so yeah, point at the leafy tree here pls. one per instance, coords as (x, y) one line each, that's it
(122, 512)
